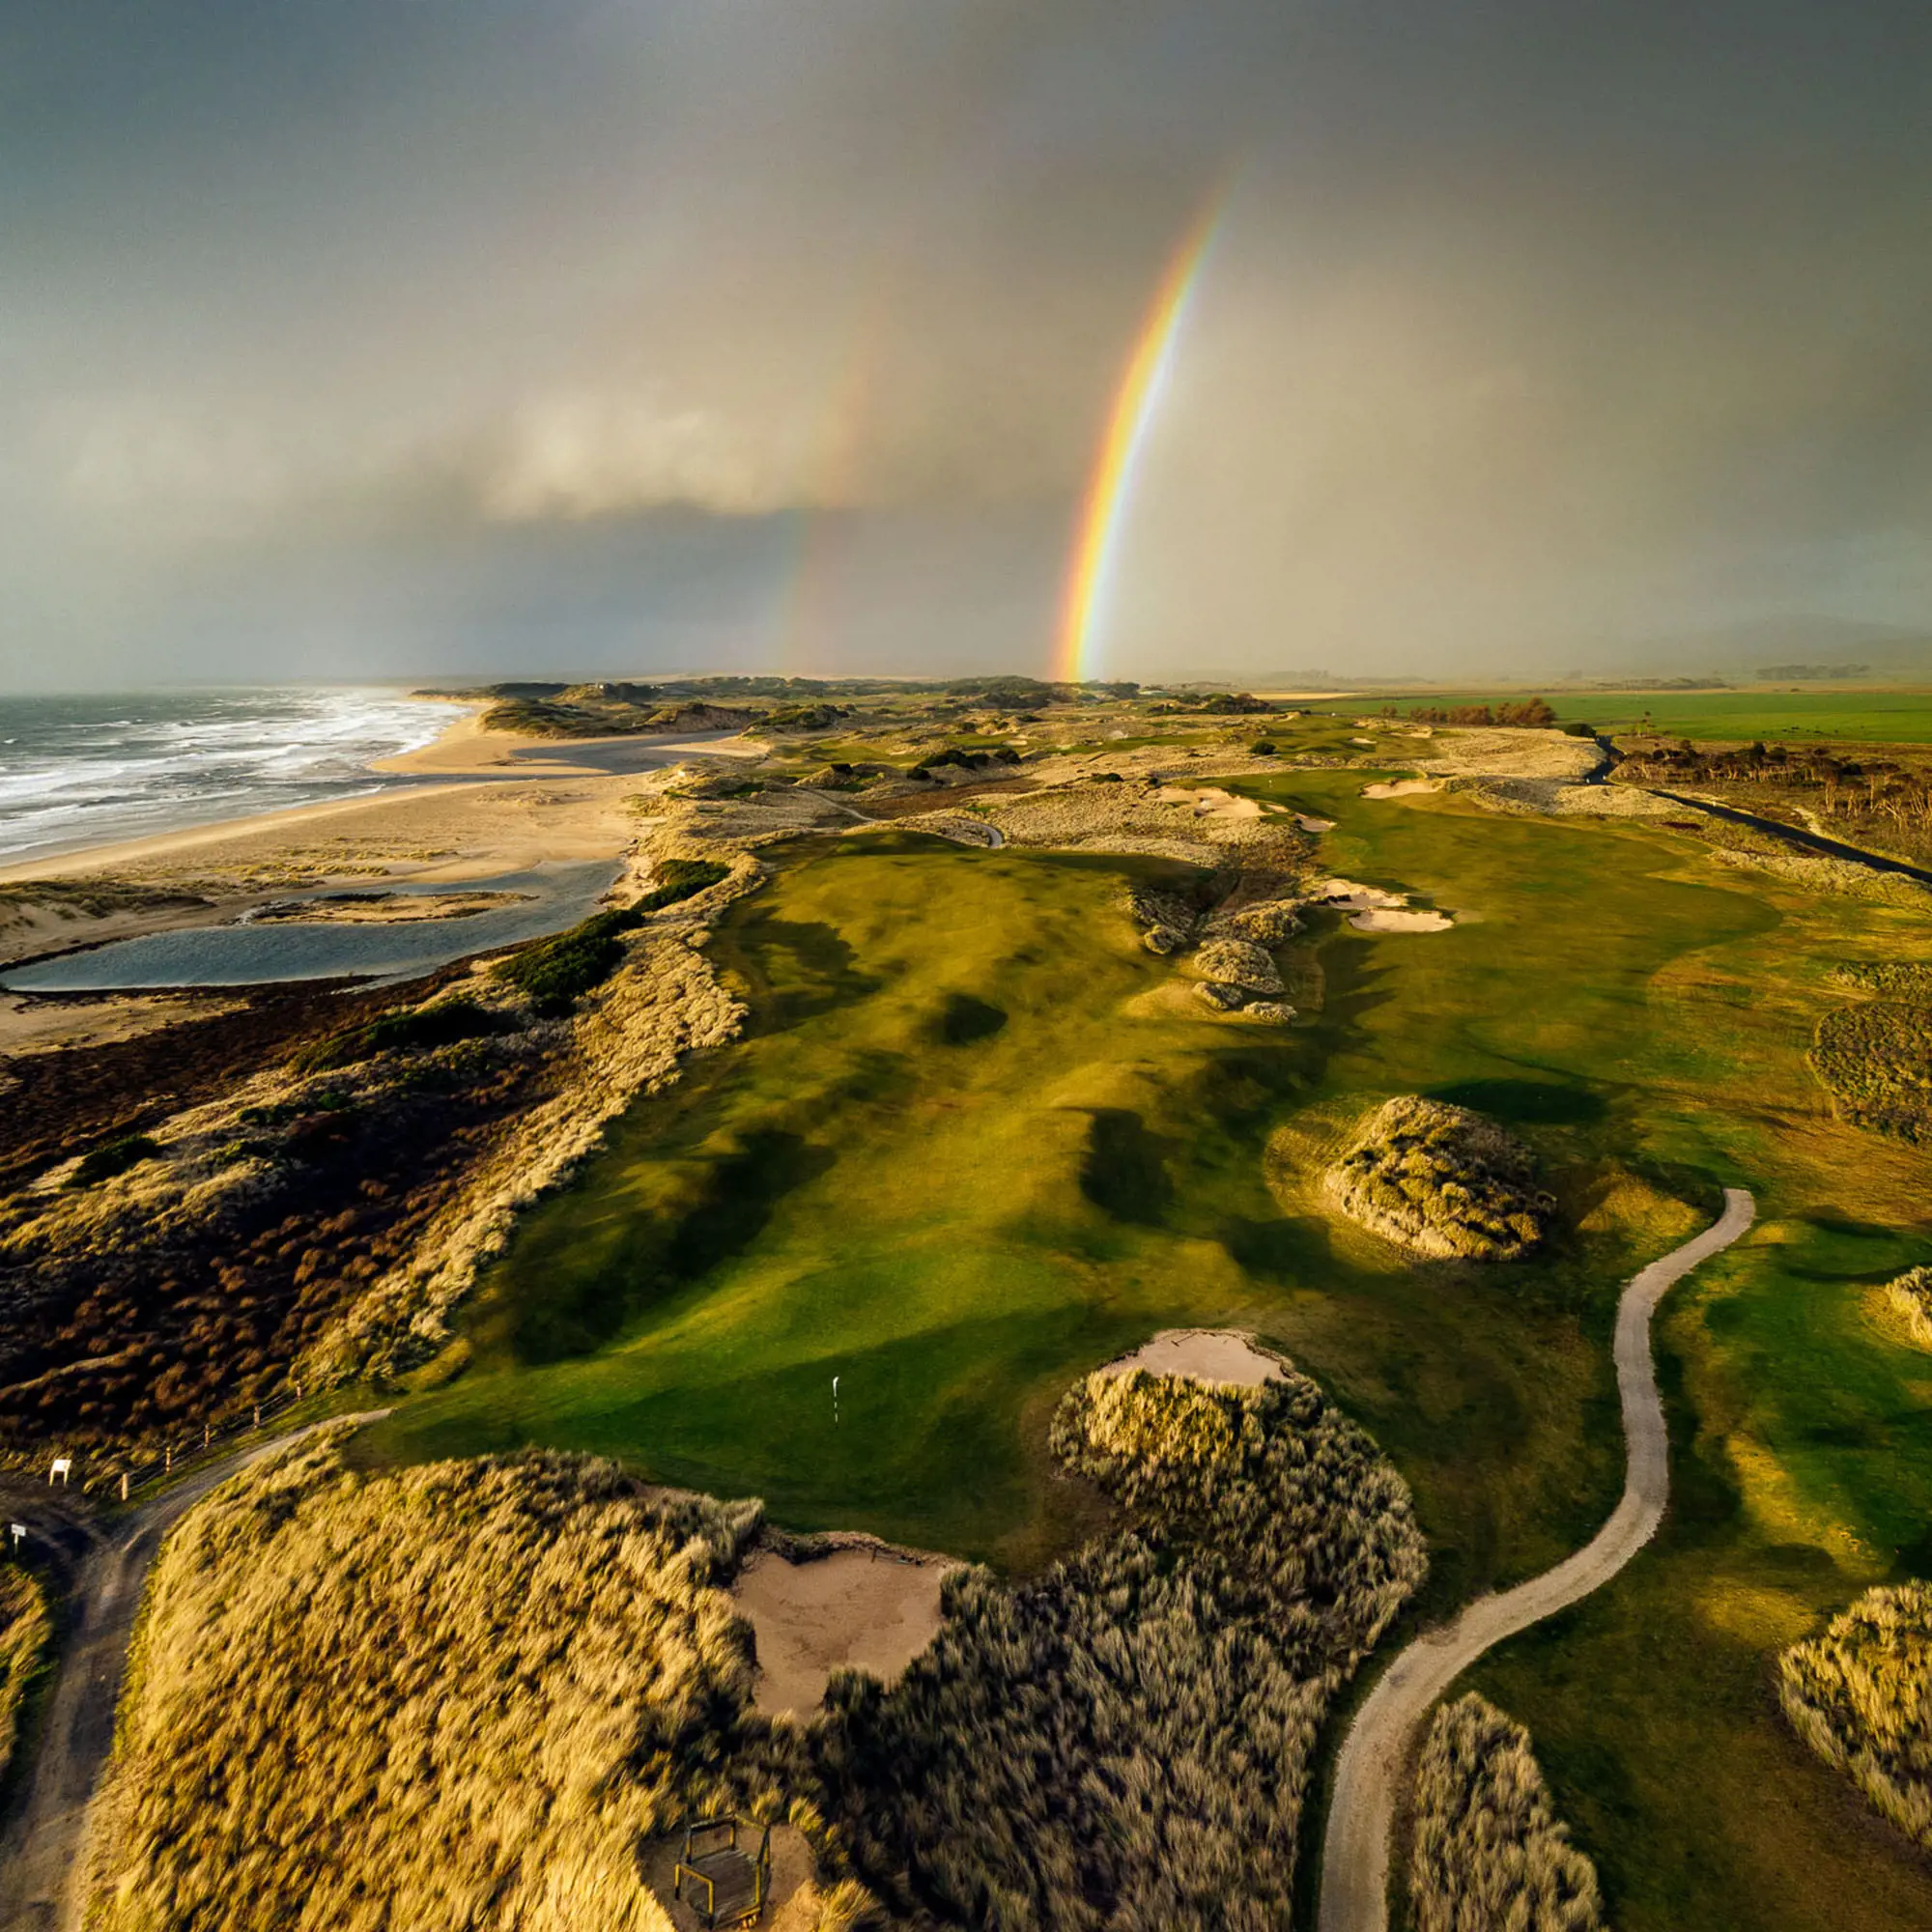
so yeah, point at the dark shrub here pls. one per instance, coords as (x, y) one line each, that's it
(557, 971)
(114, 1157)
(417, 1027)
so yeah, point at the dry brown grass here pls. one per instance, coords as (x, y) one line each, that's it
(1909, 1302)
(1861, 1695)
(455, 1697)
(27, 1631)
(1489, 1853)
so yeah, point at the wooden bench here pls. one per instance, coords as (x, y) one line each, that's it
(727, 1884)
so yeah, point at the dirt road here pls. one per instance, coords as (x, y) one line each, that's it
(40, 1850)
(1376, 1753)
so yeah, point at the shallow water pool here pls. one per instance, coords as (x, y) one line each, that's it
(552, 896)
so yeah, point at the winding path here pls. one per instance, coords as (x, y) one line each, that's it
(41, 1849)
(1376, 1753)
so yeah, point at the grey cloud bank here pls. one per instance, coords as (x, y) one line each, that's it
(362, 338)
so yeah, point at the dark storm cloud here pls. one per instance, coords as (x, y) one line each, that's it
(651, 332)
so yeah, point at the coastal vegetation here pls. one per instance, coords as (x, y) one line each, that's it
(556, 973)
(26, 1637)
(611, 710)
(112, 1158)
(1441, 1181)
(459, 1695)
(1890, 979)
(1909, 1300)
(315, 1218)
(958, 1231)
(439, 1023)
(1126, 1740)
(1872, 797)
(1859, 1693)
(1489, 1850)
(1872, 1059)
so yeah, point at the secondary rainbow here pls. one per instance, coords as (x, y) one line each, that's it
(1110, 487)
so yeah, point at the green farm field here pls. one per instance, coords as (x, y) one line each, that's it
(977, 1140)
(1863, 717)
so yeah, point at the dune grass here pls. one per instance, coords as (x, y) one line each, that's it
(26, 1633)
(455, 1697)
(959, 1228)
(1859, 1693)
(1441, 1179)
(1489, 1851)
(1127, 1741)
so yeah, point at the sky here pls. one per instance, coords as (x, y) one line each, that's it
(457, 338)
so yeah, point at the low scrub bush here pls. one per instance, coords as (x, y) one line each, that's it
(1860, 1696)
(1489, 1851)
(415, 1029)
(1895, 979)
(1444, 1182)
(457, 1695)
(117, 1156)
(681, 879)
(1875, 1061)
(1125, 1741)
(556, 972)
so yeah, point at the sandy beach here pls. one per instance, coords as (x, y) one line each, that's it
(482, 804)
(448, 829)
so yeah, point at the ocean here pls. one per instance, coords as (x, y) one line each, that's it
(84, 771)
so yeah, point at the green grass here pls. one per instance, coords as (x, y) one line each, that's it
(1874, 717)
(958, 1231)
(957, 1215)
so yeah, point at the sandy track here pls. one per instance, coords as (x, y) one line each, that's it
(1376, 1753)
(40, 1851)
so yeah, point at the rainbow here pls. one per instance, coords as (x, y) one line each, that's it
(1109, 492)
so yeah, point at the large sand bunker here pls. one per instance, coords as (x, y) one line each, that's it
(1223, 1355)
(1400, 788)
(870, 1608)
(1210, 802)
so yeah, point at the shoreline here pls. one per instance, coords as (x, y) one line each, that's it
(458, 810)
(462, 758)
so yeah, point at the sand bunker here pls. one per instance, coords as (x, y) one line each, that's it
(1308, 824)
(1205, 1354)
(1210, 802)
(1353, 898)
(1379, 920)
(1373, 910)
(868, 1609)
(1400, 788)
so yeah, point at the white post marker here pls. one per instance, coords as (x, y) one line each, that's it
(20, 1530)
(63, 1467)
(834, 1398)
